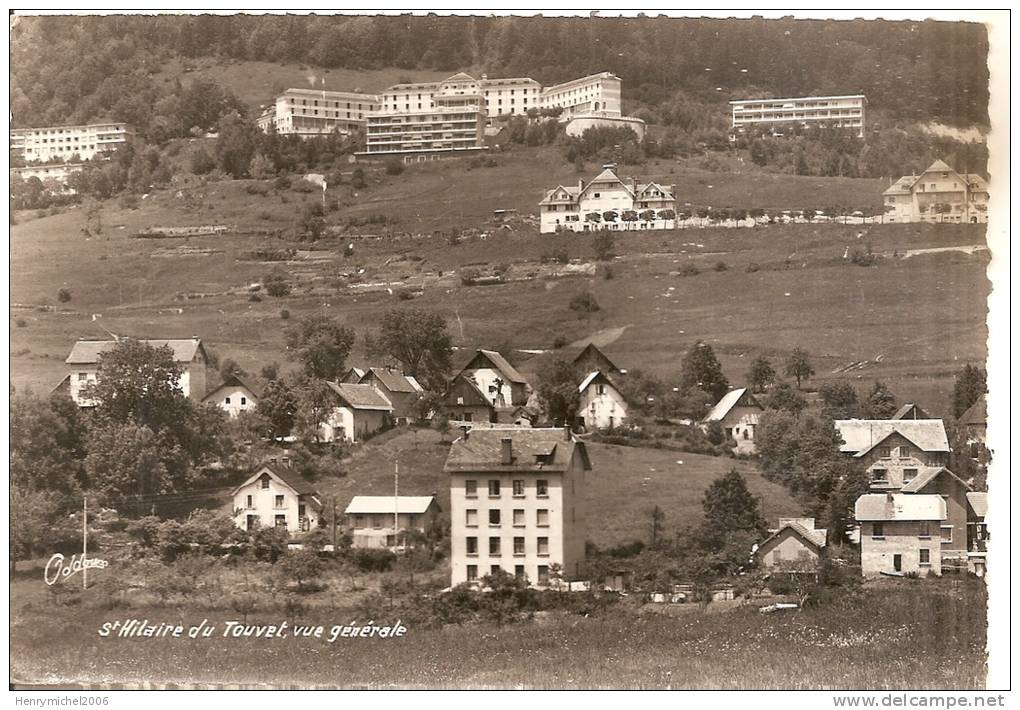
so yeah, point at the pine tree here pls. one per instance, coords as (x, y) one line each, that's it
(761, 374)
(970, 385)
(701, 369)
(881, 402)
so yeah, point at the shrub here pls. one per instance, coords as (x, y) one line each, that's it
(284, 314)
(282, 182)
(21, 323)
(63, 295)
(304, 186)
(721, 266)
(584, 302)
(863, 258)
(607, 272)
(752, 267)
(373, 560)
(394, 166)
(276, 283)
(265, 215)
(255, 298)
(358, 179)
(688, 270)
(559, 341)
(269, 544)
(256, 188)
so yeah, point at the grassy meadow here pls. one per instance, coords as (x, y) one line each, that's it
(891, 634)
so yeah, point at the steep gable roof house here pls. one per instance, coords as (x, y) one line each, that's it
(496, 378)
(795, 546)
(939, 194)
(737, 412)
(234, 395)
(601, 405)
(275, 495)
(860, 436)
(584, 207)
(592, 359)
(401, 390)
(361, 410)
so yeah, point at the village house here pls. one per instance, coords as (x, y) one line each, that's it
(795, 546)
(370, 519)
(276, 495)
(487, 389)
(353, 376)
(939, 194)
(608, 202)
(592, 359)
(977, 531)
(894, 451)
(233, 396)
(737, 413)
(601, 405)
(83, 363)
(910, 411)
(975, 421)
(359, 412)
(900, 533)
(517, 504)
(401, 390)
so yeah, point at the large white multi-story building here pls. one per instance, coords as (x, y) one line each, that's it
(517, 504)
(783, 114)
(608, 202)
(68, 142)
(307, 112)
(939, 194)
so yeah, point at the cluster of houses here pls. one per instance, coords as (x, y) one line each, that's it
(517, 489)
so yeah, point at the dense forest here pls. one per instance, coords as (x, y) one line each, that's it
(84, 68)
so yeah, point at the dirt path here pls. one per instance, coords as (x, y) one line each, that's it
(938, 250)
(602, 338)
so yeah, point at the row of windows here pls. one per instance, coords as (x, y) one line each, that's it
(496, 517)
(543, 572)
(520, 547)
(381, 520)
(495, 488)
(925, 531)
(278, 501)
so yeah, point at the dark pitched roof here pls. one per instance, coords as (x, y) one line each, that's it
(499, 363)
(233, 381)
(976, 414)
(918, 482)
(466, 388)
(592, 353)
(812, 536)
(286, 475)
(533, 450)
(862, 435)
(392, 380)
(910, 411)
(361, 396)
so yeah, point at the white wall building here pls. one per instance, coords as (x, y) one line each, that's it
(632, 205)
(597, 94)
(783, 114)
(276, 496)
(66, 142)
(601, 404)
(360, 411)
(233, 396)
(307, 112)
(370, 519)
(939, 194)
(517, 504)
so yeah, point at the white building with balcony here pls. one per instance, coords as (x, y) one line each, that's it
(65, 143)
(608, 202)
(307, 112)
(781, 115)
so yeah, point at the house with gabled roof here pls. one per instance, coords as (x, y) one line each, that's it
(592, 359)
(893, 451)
(910, 411)
(939, 194)
(234, 395)
(900, 533)
(738, 412)
(975, 420)
(359, 411)
(796, 545)
(517, 504)
(499, 381)
(275, 495)
(378, 521)
(601, 405)
(83, 364)
(401, 390)
(353, 375)
(608, 202)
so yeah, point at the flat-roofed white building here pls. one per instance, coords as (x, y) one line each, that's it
(590, 95)
(307, 112)
(370, 519)
(517, 504)
(783, 114)
(68, 142)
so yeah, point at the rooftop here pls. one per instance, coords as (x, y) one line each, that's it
(862, 435)
(361, 396)
(360, 505)
(888, 507)
(87, 352)
(532, 449)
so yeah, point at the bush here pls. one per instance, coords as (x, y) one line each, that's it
(394, 166)
(285, 314)
(282, 183)
(63, 295)
(584, 302)
(752, 267)
(255, 298)
(559, 341)
(276, 283)
(358, 179)
(721, 266)
(201, 162)
(269, 544)
(373, 560)
(256, 188)
(21, 322)
(304, 186)
(688, 270)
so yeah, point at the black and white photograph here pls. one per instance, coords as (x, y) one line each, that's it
(509, 350)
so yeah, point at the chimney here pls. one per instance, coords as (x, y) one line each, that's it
(506, 451)
(566, 433)
(466, 430)
(580, 183)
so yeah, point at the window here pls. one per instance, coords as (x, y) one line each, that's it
(244, 401)
(472, 573)
(494, 516)
(278, 502)
(83, 376)
(519, 572)
(265, 482)
(494, 543)
(471, 518)
(924, 557)
(494, 488)
(226, 400)
(924, 530)
(543, 574)
(600, 389)
(249, 502)
(878, 475)
(542, 518)
(543, 546)
(909, 474)
(518, 489)
(904, 452)
(877, 531)
(884, 452)
(376, 521)
(281, 521)
(947, 533)
(518, 517)
(472, 545)
(518, 545)
(471, 489)
(541, 488)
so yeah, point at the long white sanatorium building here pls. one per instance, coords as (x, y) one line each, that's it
(422, 120)
(839, 111)
(67, 142)
(608, 202)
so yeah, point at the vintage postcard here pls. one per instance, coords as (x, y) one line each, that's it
(491, 350)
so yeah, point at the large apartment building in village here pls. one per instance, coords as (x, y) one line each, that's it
(517, 504)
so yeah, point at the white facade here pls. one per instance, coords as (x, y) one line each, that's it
(360, 411)
(780, 114)
(601, 405)
(584, 207)
(371, 518)
(590, 95)
(307, 112)
(939, 194)
(276, 497)
(67, 142)
(54, 176)
(233, 397)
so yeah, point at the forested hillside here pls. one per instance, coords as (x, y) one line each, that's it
(84, 68)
